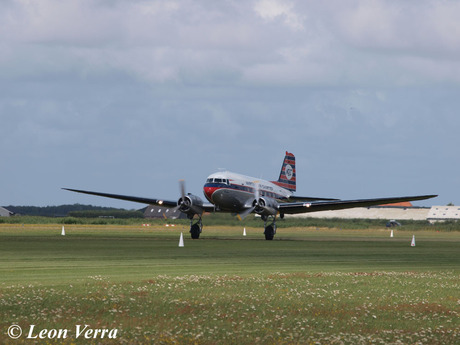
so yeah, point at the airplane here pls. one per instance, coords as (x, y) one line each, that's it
(242, 195)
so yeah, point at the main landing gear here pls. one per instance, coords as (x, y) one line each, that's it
(270, 230)
(195, 228)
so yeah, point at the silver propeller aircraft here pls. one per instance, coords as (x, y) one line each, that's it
(242, 195)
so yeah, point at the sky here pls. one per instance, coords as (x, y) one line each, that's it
(128, 97)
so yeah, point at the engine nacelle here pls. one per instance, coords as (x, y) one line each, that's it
(191, 205)
(267, 207)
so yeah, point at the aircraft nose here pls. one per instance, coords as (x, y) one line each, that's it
(208, 191)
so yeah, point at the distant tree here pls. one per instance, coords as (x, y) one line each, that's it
(450, 204)
(106, 214)
(62, 210)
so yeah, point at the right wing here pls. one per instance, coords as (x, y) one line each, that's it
(305, 207)
(308, 198)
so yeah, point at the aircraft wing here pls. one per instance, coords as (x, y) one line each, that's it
(305, 207)
(308, 198)
(167, 203)
(149, 201)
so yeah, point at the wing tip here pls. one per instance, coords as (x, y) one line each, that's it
(430, 196)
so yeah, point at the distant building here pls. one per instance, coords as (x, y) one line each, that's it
(163, 212)
(443, 213)
(5, 213)
(403, 212)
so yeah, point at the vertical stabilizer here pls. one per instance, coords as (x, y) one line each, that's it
(287, 177)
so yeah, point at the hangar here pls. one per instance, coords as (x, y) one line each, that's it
(5, 213)
(443, 213)
(375, 212)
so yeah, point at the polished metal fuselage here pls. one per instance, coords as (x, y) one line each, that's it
(235, 192)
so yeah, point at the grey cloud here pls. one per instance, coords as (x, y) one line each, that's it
(145, 90)
(353, 42)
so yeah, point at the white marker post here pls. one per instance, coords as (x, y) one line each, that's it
(391, 235)
(244, 232)
(181, 240)
(63, 231)
(412, 244)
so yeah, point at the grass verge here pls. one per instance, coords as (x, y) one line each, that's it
(307, 286)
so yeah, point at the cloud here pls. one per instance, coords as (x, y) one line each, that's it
(427, 28)
(271, 10)
(354, 42)
(106, 84)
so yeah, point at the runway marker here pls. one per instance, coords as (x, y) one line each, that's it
(63, 231)
(391, 235)
(181, 240)
(412, 244)
(244, 232)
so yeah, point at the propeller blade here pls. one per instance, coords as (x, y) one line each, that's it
(256, 192)
(245, 213)
(182, 189)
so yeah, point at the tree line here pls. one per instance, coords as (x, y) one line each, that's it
(75, 210)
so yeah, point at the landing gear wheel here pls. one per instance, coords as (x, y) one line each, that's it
(195, 228)
(269, 232)
(195, 231)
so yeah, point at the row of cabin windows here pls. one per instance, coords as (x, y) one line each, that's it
(218, 180)
(246, 189)
(269, 194)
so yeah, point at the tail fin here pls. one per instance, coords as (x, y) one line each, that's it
(287, 177)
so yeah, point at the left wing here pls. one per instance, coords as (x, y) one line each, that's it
(149, 201)
(305, 207)
(168, 203)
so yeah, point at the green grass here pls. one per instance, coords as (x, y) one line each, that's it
(308, 285)
(225, 219)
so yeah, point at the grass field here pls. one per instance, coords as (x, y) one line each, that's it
(308, 286)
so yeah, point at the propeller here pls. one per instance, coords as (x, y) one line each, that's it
(255, 203)
(185, 202)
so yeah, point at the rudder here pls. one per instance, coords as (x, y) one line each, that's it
(287, 178)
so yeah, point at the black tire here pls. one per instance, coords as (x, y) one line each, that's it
(195, 231)
(269, 233)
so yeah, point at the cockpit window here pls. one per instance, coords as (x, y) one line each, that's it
(218, 180)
